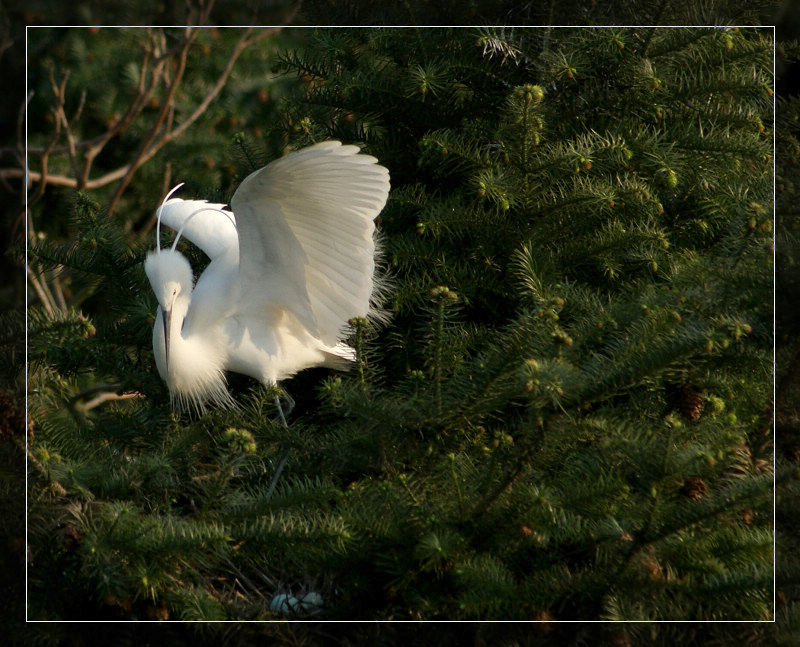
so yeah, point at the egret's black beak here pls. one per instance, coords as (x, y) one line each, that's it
(166, 317)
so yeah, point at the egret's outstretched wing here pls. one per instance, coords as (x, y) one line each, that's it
(306, 224)
(209, 229)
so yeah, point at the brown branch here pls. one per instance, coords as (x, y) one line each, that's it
(95, 144)
(45, 160)
(242, 44)
(40, 292)
(152, 144)
(59, 91)
(135, 108)
(151, 136)
(205, 11)
(105, 397)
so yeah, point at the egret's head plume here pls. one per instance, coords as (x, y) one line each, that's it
(158, 214)
(193, 214)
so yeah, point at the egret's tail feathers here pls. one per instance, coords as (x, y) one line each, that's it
(340, 357)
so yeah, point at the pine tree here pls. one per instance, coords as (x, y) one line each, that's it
(604, 233)
(568, 416)
(787, 378)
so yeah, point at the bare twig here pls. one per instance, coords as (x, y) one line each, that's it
(243, 577)
(95, 144)
(243, 43)
(45, 159)
(59, 90)
(106, 397)
(106, 393)
(153, 143)
(59, 290)
(139, 159)
(40, 292)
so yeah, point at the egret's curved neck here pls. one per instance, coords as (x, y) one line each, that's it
(180, 309)
(175, 348)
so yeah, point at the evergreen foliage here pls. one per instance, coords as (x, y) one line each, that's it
(569, 414)
(605, 236)
(787, 378)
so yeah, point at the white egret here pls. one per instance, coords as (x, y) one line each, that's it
(289, 267)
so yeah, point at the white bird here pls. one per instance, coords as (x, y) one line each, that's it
(289, 267)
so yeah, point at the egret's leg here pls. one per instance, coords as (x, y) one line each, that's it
(285, 456)
(280, 411)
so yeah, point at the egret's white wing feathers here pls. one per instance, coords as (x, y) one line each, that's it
(306, 225)
(271, 264)
(209, 229)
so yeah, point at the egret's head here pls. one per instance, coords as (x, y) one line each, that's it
(170, 276)
(169, 272)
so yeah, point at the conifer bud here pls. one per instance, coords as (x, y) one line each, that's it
(560, 337)
(240, 440)
(530, 93)
(727, 40)
(717, 404)
(668, 178)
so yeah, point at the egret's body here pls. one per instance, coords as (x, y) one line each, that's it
(286, 273)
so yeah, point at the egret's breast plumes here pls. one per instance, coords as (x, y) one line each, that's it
(194, 372)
